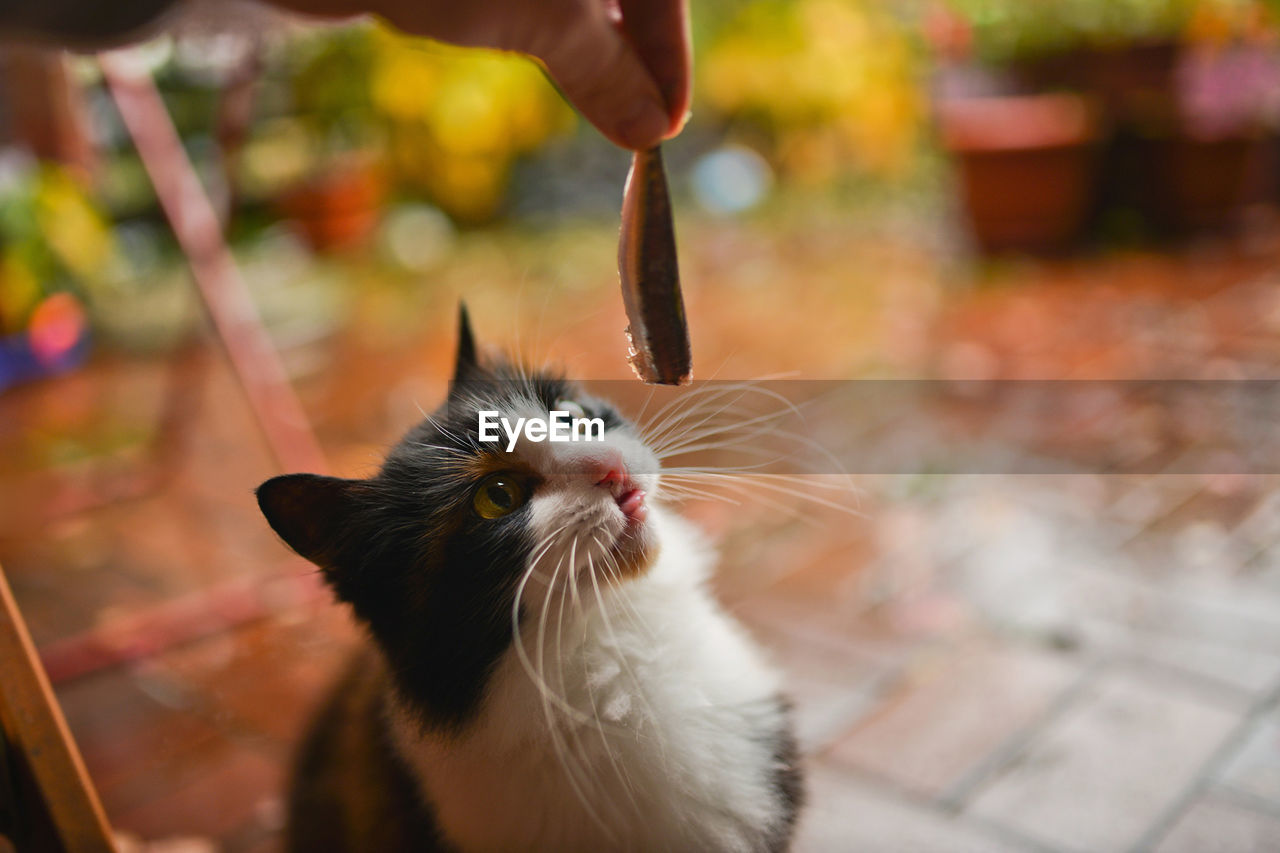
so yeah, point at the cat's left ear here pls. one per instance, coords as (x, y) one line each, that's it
(316, 516)
(465, 360)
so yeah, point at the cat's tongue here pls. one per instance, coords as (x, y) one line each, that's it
(632, 505)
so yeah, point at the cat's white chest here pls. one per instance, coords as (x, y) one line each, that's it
(679, 751)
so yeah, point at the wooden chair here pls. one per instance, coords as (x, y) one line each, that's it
(47, 802)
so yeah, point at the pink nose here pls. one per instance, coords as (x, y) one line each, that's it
(609, 472)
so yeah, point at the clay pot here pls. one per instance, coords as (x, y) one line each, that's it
(1026, 166)
(339, 209)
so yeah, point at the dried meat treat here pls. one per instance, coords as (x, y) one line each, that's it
(650, 276)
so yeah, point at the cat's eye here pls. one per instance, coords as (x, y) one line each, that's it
(574, 408)
(498, 495)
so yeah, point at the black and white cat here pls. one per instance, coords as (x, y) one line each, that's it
(546, 670)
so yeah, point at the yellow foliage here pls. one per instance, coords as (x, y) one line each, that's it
(19, 293)
(76, 232)
(472, 184)
(401, 82)
(457, 118)
(836, 80)
(1216, 23)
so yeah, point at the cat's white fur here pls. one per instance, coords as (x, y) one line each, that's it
(654, 727)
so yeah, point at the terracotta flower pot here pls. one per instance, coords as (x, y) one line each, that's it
(339, 209)
(1026, 167)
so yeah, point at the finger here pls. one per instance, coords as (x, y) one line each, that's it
(659, 32)
(599, 72)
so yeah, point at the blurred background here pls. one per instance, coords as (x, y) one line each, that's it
(972, 189)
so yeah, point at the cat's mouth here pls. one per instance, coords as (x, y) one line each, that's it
(631, 503)
(605, 520)
(622, 531)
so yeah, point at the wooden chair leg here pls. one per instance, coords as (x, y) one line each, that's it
(50, 784)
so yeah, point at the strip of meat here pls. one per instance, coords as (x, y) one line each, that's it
(650, 276)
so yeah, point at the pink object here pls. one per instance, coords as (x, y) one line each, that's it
(203, 613)
(608, 470)
(612, 476)
(632, 505)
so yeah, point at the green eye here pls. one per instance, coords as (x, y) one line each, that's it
(498, 495)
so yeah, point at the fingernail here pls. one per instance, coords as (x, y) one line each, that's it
(645, 127)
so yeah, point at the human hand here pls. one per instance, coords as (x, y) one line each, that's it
(623, 63)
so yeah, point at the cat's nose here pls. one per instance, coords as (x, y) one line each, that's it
(609, 472)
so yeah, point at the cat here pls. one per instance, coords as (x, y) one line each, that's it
(545, 670)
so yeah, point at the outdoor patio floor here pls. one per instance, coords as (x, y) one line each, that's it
(1055, 662)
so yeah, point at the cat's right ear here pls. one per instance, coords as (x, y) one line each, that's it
(465, 360)
(314, 515)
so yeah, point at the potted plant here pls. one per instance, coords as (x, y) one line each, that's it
(1182, 89)
(1026, 155)
(54, 243)
(1025, 166)
(337, 202)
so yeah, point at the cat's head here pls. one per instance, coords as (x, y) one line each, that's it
(433, 550)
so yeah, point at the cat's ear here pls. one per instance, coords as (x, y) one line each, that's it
(314, 515)
(465, 360)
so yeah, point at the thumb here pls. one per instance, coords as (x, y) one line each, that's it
(598, 71)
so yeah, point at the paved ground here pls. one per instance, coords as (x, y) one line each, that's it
(1080, 662)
